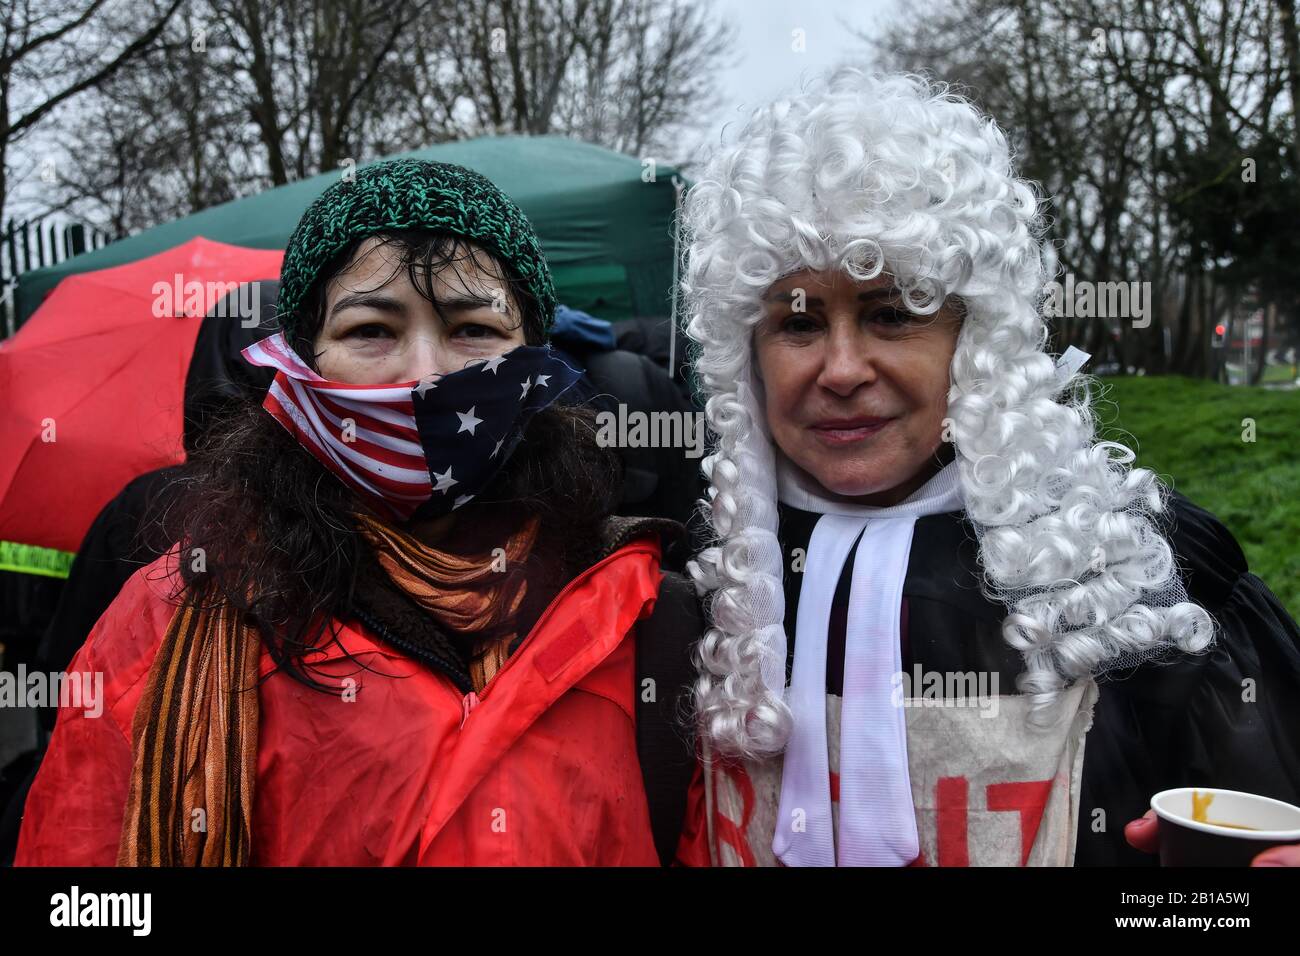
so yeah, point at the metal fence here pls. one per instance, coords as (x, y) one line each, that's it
(35, 243)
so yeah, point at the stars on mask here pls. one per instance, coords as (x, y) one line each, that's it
(489, 422)
(467, 421)
(445, 480)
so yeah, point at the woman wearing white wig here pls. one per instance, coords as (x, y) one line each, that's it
(933, 589)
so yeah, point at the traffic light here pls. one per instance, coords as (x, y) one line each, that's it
(1220, 336)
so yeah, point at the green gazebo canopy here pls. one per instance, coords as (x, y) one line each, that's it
(607, 232)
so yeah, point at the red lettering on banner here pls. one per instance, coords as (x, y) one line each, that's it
(725, 829)
(951, 797)
(1030, 799)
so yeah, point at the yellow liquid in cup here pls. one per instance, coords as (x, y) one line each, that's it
(1202, 803)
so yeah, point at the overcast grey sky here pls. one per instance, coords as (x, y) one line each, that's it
(767, 63)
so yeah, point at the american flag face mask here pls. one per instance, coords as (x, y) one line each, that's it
(428, 446)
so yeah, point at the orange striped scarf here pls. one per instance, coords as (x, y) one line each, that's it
(195, 731)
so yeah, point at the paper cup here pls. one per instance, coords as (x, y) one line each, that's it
(1188, 842)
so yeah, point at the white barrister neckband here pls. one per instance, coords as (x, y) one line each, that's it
(877, 817)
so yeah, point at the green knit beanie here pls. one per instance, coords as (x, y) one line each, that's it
(411, 194)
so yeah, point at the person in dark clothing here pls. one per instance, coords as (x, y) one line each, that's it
(133, 529)
(137, 525)
(951, 626)
(1173, 711)
(625, 370)
(652, 336)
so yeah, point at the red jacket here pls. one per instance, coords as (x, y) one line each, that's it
(543, 770)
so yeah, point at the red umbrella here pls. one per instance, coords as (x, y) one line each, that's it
(92, 386)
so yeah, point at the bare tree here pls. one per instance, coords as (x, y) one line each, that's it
(161, 139)
(236, 96)
(309, 72)
(1136, 117)
(239, 95)
(53, 50)
(628, 74)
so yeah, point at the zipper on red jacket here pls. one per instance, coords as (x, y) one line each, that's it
(472, 700)
(467, 705)
(415, 651)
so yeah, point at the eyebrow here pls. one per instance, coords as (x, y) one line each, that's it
(387, 303)
(369, 300)
(785, 297)
(465, 303)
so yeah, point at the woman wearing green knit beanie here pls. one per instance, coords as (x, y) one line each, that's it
(400, 626)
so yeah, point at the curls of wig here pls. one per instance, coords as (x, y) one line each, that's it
(895, 173)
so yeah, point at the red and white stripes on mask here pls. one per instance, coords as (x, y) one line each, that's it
(404, 447)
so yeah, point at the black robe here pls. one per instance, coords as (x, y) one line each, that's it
(1175, 723)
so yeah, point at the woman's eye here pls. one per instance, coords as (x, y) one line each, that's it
(472, 330)
(798, 325)
(892, 317)
(370, 331)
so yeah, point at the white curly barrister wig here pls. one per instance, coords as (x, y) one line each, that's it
(895, 174)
